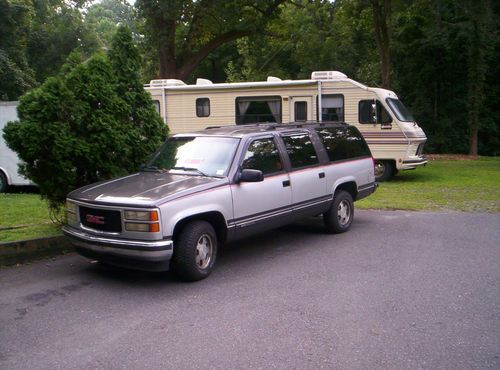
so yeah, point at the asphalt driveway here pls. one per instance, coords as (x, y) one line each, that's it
(400, 290)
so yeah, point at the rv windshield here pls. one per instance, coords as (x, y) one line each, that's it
(400, 110)
(198, 155)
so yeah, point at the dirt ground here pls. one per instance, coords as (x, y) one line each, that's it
(451, 157)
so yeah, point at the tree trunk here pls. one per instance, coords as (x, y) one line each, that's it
(476, 70)
(382, 26)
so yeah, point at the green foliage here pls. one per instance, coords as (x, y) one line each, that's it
(92, 123)
(16, 76)
(104, 17)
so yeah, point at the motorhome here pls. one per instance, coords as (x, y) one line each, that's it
(395, 139)
(8, 159)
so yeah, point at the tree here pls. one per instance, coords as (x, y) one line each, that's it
(185, 32)
(382, 29)
(16, 76)
(85, 125)
(58, 28)
(103, 19)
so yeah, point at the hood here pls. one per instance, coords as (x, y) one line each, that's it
(144, 189)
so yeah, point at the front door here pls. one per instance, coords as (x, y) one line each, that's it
(300, 108)
(262, 205)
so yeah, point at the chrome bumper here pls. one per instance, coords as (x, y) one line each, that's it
(413, 163)
(151, 251)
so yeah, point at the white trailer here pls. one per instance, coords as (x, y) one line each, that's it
(8, 159)
(395, 139)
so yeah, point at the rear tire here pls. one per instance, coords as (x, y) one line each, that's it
(338, 219)
(195, 251)
(3, 182)
(384, 170)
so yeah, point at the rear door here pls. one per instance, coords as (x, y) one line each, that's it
(262, 205)
(307, 176)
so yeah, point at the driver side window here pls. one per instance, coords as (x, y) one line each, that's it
(262, 154)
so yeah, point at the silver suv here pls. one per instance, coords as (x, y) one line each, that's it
(217, 185)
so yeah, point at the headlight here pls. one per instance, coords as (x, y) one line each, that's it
(70, 207)
(141, 215)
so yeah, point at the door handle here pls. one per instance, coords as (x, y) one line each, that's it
(321, 175)
(286, 183)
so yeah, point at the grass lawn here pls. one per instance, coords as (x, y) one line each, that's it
(24, 209)
(460, 185)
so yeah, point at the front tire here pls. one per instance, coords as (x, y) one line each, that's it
(195, 251)
(338, 218)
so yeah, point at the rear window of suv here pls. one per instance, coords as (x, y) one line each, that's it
(301, 151)
(343, 143)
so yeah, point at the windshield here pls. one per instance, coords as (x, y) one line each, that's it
(207, 156)
(400, 110)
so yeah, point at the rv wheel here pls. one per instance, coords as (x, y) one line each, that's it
(3, 182)
(384, 170)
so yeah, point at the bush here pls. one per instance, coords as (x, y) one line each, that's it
(93, 122)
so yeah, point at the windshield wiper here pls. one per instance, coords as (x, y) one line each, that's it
(190, 169)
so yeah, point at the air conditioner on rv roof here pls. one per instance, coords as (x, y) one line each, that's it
(166, 82)
(327, 75)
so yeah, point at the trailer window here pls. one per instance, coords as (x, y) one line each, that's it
(255, 109)
(157, 105)
(366, 113)
(343, 143)
(202, 107)
(332, 107)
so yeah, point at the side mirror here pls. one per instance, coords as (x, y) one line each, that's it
(374, 112)
(248, 175)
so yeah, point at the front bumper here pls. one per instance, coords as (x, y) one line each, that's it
(142, 255)
(413, 163)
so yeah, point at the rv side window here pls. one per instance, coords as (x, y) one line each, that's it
(300, 111)
(343, 143)
(366, 114)
(157, 105)
(255, 109)
(202, 107)
(332, 107)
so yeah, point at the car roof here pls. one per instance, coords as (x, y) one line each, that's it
(259, 128)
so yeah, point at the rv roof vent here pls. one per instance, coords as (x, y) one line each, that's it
(327, 75)
(166, 82)
(273, 79)
(203, 81)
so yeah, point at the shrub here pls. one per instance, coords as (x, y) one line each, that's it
(92, 122)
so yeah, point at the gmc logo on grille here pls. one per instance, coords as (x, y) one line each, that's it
(99, 220)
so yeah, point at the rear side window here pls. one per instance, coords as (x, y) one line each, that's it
(301, 151)
(343, 143)
(262, 154)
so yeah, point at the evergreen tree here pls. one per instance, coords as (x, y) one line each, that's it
(88, 124)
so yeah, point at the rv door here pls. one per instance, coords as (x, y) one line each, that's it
(300, 108)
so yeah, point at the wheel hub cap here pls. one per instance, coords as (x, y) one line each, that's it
(204, 250)
(344, 213)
